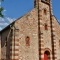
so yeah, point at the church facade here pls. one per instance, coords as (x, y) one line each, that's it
(35, 36)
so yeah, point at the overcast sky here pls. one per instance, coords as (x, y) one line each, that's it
(17, 8)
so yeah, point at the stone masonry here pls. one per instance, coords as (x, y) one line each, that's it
(35, 36)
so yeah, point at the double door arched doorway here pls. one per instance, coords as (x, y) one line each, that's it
(46, 55)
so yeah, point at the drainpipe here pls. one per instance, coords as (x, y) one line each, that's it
(39, 31)
(52, 39)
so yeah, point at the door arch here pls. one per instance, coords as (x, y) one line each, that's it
(46, 55)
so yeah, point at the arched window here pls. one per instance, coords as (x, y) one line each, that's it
(27, 41)
(46, 1)
(59, 43)
(45, 11)
(46, 27)
(46, 55)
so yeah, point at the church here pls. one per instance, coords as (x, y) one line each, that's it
(34, 36)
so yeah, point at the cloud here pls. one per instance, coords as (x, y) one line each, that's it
(4, 10)
(5, 22)
(10, 19)
(2, 19)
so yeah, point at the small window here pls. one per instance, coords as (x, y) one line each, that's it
(27, 41)
(6, 41)
(59, 43)
(47, 1)
(46, 27)
(45, 11)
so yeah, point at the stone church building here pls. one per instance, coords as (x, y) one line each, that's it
(35, 36)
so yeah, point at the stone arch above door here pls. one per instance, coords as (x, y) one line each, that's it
(47, 50)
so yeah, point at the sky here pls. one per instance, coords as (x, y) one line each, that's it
(14, 9)
(56, 8)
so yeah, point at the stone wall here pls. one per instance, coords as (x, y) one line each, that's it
(23, 41)
(45, 28)
(27, 26)
(6, 44)
(56, 29)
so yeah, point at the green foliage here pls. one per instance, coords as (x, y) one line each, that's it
(1, 15)
(1, 10)
(1, 0)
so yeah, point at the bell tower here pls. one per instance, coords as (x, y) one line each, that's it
(45, 28)
(48, 2)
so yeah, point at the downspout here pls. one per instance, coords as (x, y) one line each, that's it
(52, 39)
(39, 32)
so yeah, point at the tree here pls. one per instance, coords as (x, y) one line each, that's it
(1, 0)
(1, 9)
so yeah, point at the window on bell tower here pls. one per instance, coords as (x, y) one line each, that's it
(45, 11)
(46, 27)
(46, 1)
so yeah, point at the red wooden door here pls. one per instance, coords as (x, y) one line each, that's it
(45, 57)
